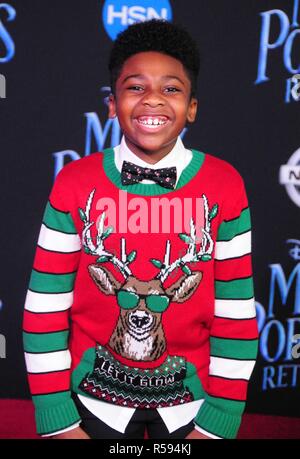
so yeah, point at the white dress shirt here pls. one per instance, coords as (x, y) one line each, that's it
(118, 417)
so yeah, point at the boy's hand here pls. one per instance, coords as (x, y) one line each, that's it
(75, 434)
(196, 435)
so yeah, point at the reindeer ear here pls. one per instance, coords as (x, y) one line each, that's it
(184, 287)
(104, 279)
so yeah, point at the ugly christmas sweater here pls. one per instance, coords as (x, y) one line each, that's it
(142, 296)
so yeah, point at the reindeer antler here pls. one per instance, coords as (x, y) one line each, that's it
(191, 255)
(98, 248)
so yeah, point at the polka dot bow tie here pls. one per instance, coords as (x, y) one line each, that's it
(131, 173)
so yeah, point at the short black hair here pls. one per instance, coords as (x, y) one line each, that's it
(155, 35)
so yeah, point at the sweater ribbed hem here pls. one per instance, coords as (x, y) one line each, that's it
(217, 422)
(56, 418)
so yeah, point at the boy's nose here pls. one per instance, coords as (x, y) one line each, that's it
(153, 99)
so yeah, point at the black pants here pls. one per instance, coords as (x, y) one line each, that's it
(141, 421)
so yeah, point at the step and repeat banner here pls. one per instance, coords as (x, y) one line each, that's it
(54, 85)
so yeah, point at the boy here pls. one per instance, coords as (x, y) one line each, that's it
(146, 249)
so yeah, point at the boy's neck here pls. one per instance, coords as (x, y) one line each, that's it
(150, 157)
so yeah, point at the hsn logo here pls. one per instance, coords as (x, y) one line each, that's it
(117, 15)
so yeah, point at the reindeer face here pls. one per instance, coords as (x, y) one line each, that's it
(141, 312)
(139, 333)
(141, 305)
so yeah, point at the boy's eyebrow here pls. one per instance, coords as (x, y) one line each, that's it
(136, 75)
(173, 77)
(165, 77)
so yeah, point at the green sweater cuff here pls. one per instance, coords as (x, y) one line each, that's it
(55, 418)
(218, 422)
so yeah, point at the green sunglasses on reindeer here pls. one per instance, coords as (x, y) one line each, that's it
(130, 300)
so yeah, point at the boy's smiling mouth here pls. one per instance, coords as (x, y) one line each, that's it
(153, 122)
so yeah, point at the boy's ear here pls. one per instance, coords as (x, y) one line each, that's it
(192, 110)
(112, 106)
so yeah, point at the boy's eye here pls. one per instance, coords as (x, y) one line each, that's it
(172, 89)
(135, 88)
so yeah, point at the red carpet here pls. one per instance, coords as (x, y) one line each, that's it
(17, 421)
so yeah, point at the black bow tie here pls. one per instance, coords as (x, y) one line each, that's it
(131, 173)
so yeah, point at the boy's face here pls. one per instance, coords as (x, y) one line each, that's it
(152, 102)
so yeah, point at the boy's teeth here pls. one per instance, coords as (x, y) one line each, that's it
(152, 121)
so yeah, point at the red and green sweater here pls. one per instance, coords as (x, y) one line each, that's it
(142, 296)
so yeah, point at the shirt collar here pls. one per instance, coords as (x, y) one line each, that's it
(179, 157)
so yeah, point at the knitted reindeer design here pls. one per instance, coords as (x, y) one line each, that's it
(138, 334)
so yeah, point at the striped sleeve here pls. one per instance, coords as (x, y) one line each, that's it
(46, 316)
(234, 333)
